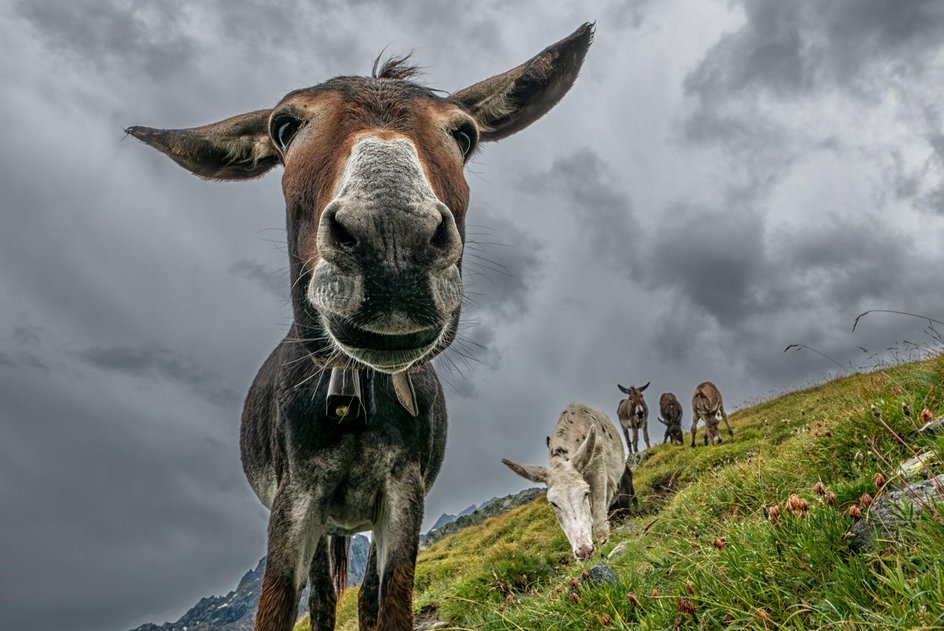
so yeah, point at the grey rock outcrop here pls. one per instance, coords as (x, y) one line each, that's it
(600, 574)
(892, 511)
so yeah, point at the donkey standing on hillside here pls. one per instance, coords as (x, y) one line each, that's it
(708, 406)
(670, 415)
(588, 476)
(633, 413)
(375, 201)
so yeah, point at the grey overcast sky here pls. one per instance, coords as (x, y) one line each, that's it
(724, 179)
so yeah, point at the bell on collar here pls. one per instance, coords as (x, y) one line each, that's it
(344, 399)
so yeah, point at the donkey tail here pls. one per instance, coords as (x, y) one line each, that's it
(338, 559)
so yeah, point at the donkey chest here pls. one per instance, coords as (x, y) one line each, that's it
(350, 477)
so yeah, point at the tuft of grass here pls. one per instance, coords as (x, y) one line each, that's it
(707, 550)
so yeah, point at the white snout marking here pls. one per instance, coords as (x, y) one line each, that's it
(385, 167)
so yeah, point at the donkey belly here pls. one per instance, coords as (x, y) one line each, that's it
(257, 436)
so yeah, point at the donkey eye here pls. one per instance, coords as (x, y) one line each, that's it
(283, 130)
(463, 139)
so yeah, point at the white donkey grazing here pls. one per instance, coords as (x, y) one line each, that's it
(587, 476)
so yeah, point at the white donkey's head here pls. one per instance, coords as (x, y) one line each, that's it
(568, 492)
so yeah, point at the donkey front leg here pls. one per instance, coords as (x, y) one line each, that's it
(368, 599)
(635, 438)
(294, 532)
(397, 535)
(645, 432)
(629, 443)
(322, 601)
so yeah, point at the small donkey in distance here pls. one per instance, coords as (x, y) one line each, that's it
(708, 406)
(376, 199)
(670, 415)
(633, 413)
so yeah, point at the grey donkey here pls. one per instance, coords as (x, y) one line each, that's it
(633, 413)
(670, 415)
(344, 427)
(587, 477)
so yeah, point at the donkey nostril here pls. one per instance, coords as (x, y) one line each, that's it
(445, 241)
(340, 234)
(442, 238)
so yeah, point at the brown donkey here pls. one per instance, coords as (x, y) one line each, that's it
(708, 406)
(344, 427)
(670, 415)
(633, 413)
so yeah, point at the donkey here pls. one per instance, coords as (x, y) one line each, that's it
(670, 415)
(587, 478)
(633, 413)
(376, 201)
(708, 406)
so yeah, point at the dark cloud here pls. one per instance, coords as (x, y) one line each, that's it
(275, 282)
(711, 256)
(160, 362)
(723, 180)
(788, 48)
(585, 189)
(115, 34)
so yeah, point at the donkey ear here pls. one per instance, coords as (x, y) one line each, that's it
(643, 389)
(527, 471)
(585, 450)
(622, 389)
(238, 148)
(509, 102)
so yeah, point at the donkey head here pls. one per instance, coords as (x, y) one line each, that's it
(634, 398)
(375, 193)
(567, 492)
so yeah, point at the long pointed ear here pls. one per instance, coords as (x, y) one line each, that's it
(238, 148)
(643, 389)
(527, 471)
(622, 389)
(511, 101)
(585, 450)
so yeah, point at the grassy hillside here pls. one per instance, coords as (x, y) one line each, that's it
(704, 552)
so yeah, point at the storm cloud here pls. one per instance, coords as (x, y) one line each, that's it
(725, 179)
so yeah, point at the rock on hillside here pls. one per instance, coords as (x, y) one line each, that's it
(893, 510)
(236, 611)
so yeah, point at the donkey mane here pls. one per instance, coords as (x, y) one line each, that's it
(394, 67)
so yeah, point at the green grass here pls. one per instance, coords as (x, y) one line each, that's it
(513, 572)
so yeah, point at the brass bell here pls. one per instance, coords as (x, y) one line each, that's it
(344, 394)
